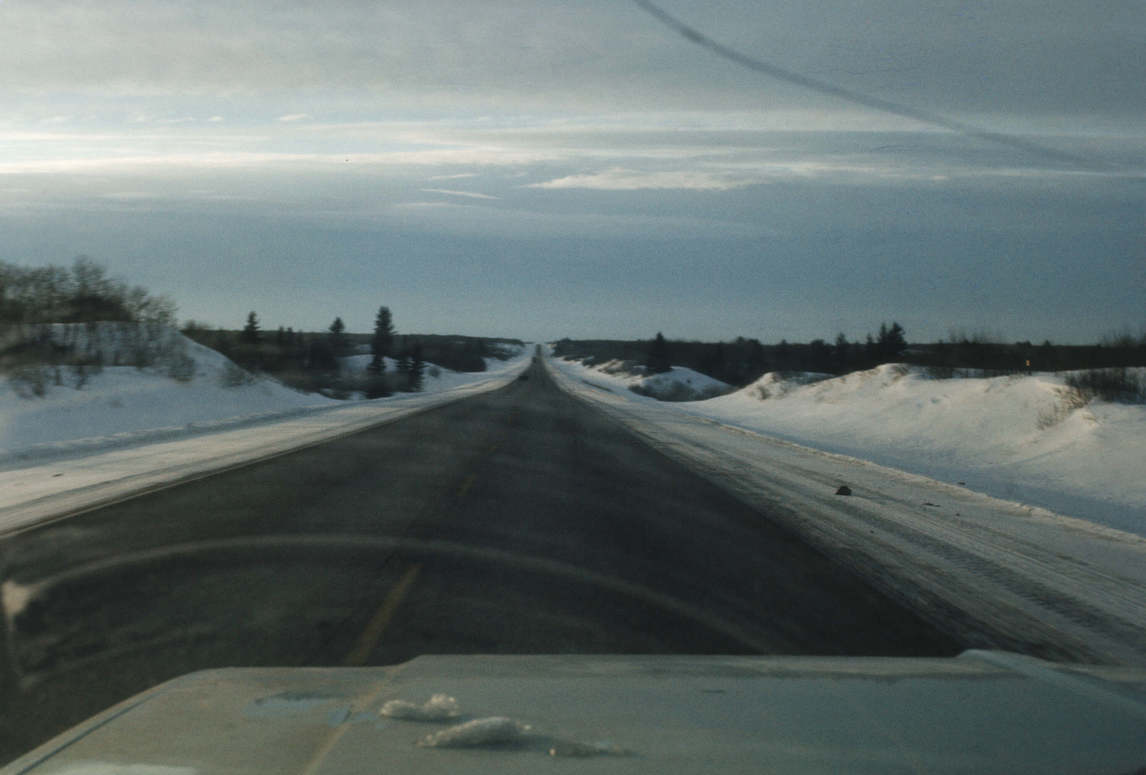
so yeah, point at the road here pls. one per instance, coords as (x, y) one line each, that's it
(519, 521)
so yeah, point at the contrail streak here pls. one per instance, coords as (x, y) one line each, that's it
(876, 103)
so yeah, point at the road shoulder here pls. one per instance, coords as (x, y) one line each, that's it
(998, 573)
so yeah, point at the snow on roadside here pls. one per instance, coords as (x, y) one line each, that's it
(434, 379)
(678, 384)
(126, 406)
(123, 405)
(993, 572)
(1013, 437)
(111, 468)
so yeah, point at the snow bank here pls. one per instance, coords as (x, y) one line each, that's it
(677, 384)
(89, 470)
(120, 405)
(1017, 437)
(126, 405)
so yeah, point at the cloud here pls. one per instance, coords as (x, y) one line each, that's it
(132, 196)
(451, 192)
(215, 120)
(291, 118)
(477, 220)
(620, 179)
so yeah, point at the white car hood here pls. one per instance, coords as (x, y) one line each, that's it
(981, 712)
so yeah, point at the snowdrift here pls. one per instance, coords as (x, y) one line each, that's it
(1025, 437)
(677, 384)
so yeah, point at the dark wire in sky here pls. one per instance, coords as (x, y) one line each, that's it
(812, 84)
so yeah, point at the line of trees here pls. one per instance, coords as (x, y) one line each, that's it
(61, 325)
(312, 361)
(80, 293)
(984, 353)
(742, 361)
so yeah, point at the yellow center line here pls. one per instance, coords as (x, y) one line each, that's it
(336, 734)
(466, 485)
(381, 619)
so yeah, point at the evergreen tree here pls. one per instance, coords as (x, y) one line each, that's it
(383, 341)
(784, 358)
(338, 343)
(658, 360)
(819, 356)
(417, 368)
(841, 353)
(250, 334)
(714, 361)
(757, 360)
(403, 367)
(377, 384)
(891, 341)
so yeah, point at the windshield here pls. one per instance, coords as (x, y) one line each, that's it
(341, 333)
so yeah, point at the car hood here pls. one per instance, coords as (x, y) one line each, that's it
(979, 712)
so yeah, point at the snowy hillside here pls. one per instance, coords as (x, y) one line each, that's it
(677, 384)
(121, 404)
(1019, 437)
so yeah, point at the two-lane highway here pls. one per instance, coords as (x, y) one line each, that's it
(520, 521)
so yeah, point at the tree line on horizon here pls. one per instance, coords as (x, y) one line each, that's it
(35, 350)
(312, 361)
(741, 361)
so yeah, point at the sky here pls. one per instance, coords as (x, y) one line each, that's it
(541, 168)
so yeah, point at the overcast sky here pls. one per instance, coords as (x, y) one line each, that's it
(545, 168)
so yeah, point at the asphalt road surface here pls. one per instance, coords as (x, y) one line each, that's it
(519, 521)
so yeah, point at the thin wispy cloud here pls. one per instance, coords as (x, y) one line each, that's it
(451, 192)
(292, 118)
(620, 179)
(132, 196)
(506, 223)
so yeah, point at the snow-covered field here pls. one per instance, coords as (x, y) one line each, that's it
(1002, 571)
(1013, 437)
(129, 429)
